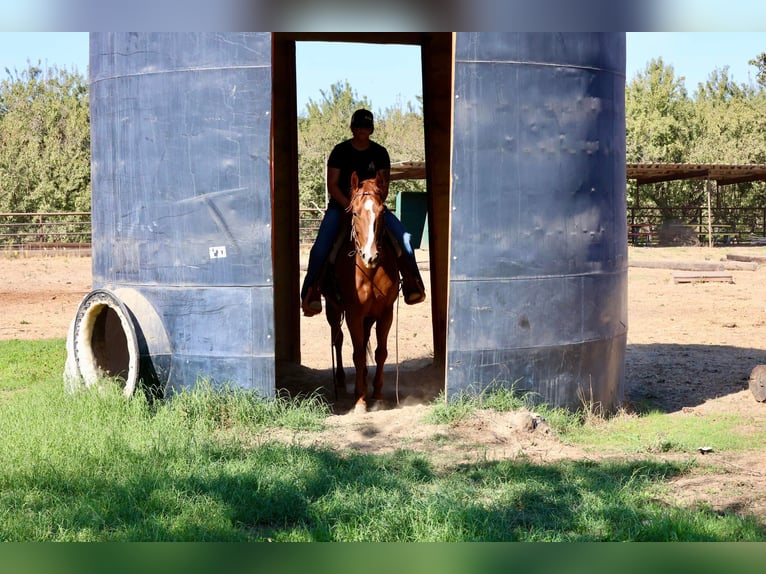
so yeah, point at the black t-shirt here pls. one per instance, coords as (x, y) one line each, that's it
(348, 159)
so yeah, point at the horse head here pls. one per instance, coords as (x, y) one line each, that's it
(366, 207)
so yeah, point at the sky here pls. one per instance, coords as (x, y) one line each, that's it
(390, 75)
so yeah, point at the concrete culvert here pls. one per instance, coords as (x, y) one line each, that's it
(104, 342)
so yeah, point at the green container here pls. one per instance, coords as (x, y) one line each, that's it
(412, 211)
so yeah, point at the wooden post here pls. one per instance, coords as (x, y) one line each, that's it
(708, 185)
(758, 383)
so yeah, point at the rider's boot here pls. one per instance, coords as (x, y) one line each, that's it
(412, 284)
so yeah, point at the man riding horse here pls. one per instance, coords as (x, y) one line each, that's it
(368, 159)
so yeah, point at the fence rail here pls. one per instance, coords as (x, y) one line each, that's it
(73, 229)
(45, 230)
(309, 220)
(647, 225)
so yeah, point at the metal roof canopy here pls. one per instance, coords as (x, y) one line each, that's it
(643, 173)
(408, 170)
(722, 174)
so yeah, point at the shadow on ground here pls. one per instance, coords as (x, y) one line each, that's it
(668, 377)
(664, 377)
(416, 381)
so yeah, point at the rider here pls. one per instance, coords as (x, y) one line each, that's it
(368, 159)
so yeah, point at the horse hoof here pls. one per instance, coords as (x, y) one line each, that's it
(360, 408)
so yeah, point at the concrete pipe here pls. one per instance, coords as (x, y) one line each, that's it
(116, 334)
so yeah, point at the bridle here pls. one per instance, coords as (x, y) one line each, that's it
(354, 234)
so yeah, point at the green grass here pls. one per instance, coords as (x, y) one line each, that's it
(660, 432)
(93, 466)
(501, 399)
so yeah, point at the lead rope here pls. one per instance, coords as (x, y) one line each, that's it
(397, 345)
(334, 340)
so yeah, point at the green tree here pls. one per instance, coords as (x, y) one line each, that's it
(325, 123)
(659, 128)
(729, 122)
(760, 62)
(730, 128)
(400, 130)
(45, 135)
(658, 113)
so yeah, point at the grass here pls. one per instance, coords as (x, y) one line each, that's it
(683, 433)
(93, 466)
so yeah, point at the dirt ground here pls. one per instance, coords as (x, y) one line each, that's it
(691, 348)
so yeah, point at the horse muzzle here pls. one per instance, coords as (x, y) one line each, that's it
(369, 260)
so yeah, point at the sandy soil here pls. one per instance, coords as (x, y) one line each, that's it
(691, 348)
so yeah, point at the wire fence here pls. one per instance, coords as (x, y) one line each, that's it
(72, 230)
(689, 225)
(67, 230)
(29, 231)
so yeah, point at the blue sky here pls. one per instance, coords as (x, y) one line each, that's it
(388, 75)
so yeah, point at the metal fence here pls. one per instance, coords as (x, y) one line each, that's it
(728, 225)
(45, 230)
(308, 225)
(29, 231)
(73, 229)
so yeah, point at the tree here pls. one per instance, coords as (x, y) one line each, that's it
(326, 122)
(400, 130)
(760, 62)
(45, 130)
(730, 128)
(729, 122)
(659, 128)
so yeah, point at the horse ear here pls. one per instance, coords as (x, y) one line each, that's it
(354, 181)
(379, 181)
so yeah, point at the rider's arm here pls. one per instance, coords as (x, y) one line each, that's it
(386, 176)
(333, 187)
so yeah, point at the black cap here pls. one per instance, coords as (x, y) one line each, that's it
(362, 119)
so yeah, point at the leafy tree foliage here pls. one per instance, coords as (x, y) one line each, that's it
(760, 62)
(658, 115)
(723, 123)
(326, 123)
(45, 135)
(658, 122)
(400, 130)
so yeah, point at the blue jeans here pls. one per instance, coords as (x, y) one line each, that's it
(328, 231)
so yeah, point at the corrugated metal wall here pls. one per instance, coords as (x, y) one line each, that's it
(181, 193)
(538, 264)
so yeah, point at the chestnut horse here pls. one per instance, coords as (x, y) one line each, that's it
(364, 288)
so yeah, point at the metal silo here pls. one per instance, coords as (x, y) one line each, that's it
(538, 247)
(182, 267)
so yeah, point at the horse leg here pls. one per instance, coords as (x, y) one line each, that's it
(381, 352)
(356, 330)
(368, 323)
(334, 318)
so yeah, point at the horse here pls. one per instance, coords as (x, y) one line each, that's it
(363, 287)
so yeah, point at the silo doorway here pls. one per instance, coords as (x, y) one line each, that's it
(291, 328)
